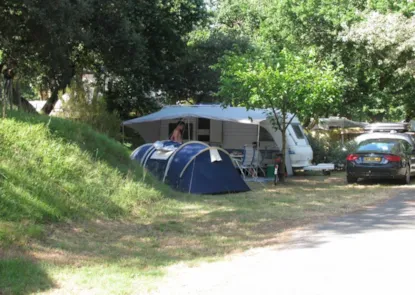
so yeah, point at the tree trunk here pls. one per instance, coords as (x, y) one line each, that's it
(284, 145)
(2, 101)
(50, 103)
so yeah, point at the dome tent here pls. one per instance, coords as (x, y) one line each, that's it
(193, 167)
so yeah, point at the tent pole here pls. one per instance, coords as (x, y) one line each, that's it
(191, 177)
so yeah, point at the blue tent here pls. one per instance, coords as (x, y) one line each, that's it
(193, 167)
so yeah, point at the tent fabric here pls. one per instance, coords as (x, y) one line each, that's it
(213, 112)
(217, 177)
(179, 161)
(190, 168)
(139, 153)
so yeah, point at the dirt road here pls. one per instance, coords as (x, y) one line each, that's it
(371, 252)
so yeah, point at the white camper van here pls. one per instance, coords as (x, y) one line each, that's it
(230, 128)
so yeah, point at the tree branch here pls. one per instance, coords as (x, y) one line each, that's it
(275, 113)
(292, 118)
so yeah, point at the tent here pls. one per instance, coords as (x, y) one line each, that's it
(192, 167)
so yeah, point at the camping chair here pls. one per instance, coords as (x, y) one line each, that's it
(250, 162)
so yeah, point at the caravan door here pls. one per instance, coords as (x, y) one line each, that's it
(299, 148)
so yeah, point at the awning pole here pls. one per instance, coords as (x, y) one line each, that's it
(257, 139)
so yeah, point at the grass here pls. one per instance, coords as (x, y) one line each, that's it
(77, 219)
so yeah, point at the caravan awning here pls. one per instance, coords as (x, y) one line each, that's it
(337, 122)
(213, 112)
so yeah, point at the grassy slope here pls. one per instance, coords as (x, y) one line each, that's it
(75, 217)
(53, 169)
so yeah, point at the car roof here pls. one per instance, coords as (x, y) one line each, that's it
(381, 135)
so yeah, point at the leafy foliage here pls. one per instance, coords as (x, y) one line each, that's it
(193, 77)
(329, 150)
(390, 39)
(86, 104)
(283, 82)
(371, 89)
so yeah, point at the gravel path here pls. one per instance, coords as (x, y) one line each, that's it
(372, 252)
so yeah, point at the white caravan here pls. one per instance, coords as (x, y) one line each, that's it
(230, 128)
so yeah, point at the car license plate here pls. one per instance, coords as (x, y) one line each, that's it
(372, 159)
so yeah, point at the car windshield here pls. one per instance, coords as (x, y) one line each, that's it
(379, 146)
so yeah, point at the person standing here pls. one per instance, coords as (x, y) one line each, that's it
(177, 135)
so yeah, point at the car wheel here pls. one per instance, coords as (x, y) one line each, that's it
(351, 179)
(407, 179)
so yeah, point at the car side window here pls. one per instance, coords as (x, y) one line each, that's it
(407, 148)
(396, 148)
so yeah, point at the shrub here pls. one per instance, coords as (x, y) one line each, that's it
(84, 103)
(327, 150)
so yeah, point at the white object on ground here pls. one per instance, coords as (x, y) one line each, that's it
(320, 167)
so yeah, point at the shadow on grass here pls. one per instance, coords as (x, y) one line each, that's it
(22, 276)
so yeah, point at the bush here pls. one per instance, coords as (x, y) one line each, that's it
(327, 150)
(86, 104)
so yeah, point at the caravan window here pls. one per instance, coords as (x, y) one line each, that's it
(203, 123)
(186, 130)
(203, 132)
(297, 130)
(264, 135)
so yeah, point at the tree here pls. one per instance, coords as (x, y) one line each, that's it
(305, 24)
(38, 39)
(285, 84)
(389, 39)
(193, 78)
(128, 41)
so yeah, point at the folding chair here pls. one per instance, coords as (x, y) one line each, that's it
(250, 162)
(257, 161)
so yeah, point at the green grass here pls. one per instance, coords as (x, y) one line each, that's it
(53, 169)
(75, 216)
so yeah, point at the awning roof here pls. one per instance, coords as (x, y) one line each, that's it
(213, 112)
(337, 122)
